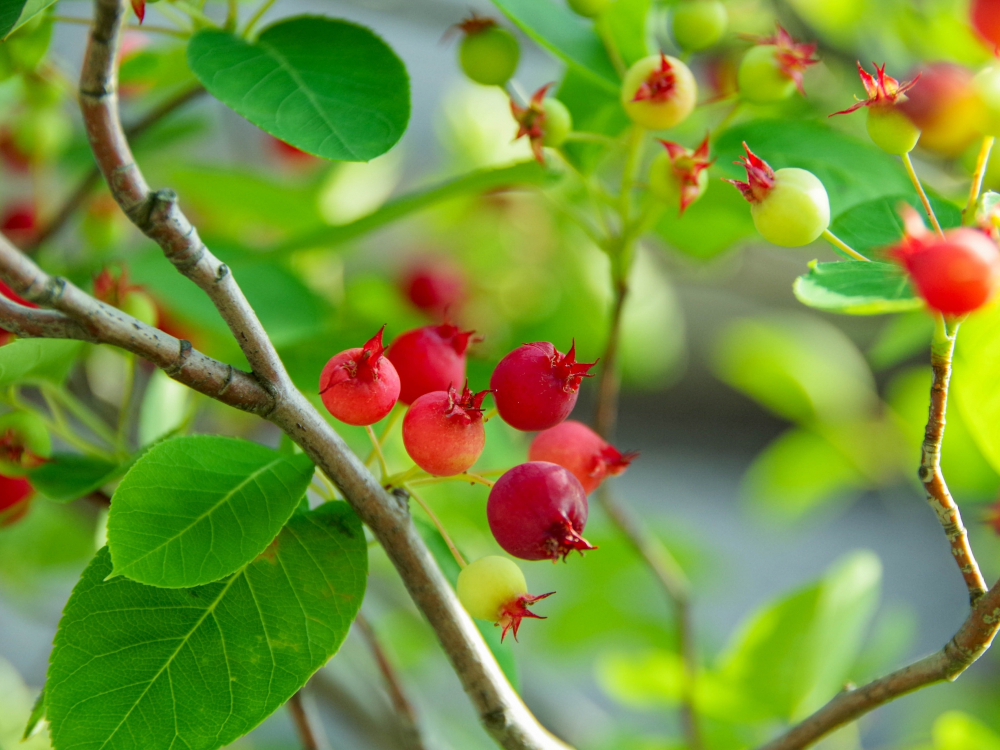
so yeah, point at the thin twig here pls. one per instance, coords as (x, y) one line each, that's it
(438, 525)
(839, 243)
(969, 212)
(908, 163)
(606, 413)
(377, 447)
(303, 727)
(409, 728)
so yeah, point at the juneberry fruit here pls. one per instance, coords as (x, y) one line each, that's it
(24, 443)
(658, 92)
(888, 125)
(985, 18)
(537, 511)
(115, 290)
(535, 386)
(488, 53)
(947, 108)
(790, 207)
(678, 175)
(698, 24)
(545, 122)
(15, 497)
(493, 588)
(360, 386)
(772, 70)
(19, 222)
(443, 431)
(579, 449)
(434, 286)
(429, 359)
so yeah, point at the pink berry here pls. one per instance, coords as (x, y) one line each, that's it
(360, 386)
(15, 498)
(434, 286)
(576, 447)
(429, 359)
(443, 431)
(535, 386)
(537, 511)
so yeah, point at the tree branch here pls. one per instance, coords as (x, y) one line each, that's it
(156, 213)
(303, 727)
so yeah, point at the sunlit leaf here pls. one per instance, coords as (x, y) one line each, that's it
(68, 476)
(857, 287)
(37, 360)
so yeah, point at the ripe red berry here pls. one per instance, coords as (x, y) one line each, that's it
(537, 511)
(985, 18)
(429, 359)
(576, 447)
(15, 497)
(955, 274)
(360, 386)
(434, 286)
(19, 222)
(443, 431)
(535, 386)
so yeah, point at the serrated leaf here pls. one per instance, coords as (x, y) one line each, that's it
(857, 287)
(140, 666)
(37, 360)
(876, 224)
(331, 88)
(194, 509)
(70, 476)
(564, 34)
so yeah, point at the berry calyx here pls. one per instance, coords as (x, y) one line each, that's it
(789, 206)
(658, 92)
(24, 443)
(536, 386)
(588, 8)
(537, 511)
(888, 126)
(488, 53)
(772, 70)
(679, 175)
(434, 286)
(545, 122)
(493, 588)
(15, 499)
(698, 24)
(360, 386)
(580, 450)
(955, 274)
(429, 359)
(443, 431)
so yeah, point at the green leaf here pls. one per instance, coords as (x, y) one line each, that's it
(70, 476)
(139, 666)
(857, 287)
(710, 225)
(955, 730)
(194, 509)
(15, 13)
(564, 34)
(594, 109)
(876, 224)
(975, 378)
(626, 21)
(35, 718)
(328, 87)
(37, 360)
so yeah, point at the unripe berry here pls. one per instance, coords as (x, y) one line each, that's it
(889, 126)
(985, 18)
(658, 92)
(588, 8)
(493, 588)
(535, 386)
(24, 443)
(142, 307)
(789, 207)
(360, 386)
(488, 53)
(698, 24)
(545, 122)
(580, 450)
(678, 175)
(537, 511)
(15, 498)
(443, 431)
(429, 359)
(772, 70)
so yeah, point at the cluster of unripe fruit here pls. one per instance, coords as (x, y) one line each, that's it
(536, 510)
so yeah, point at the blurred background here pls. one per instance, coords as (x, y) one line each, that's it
(778, 445)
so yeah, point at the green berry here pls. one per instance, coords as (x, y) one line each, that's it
(493, 588)
(24, 443)
(795, 212)
(891, 130)
(699, 24)
(665, 183)
(489, 55)
(588, 8)
(760, 77)
(558, 122)
(141, 307)
(658, 92)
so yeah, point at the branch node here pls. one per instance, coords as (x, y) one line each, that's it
(222, 273)
(184, 350)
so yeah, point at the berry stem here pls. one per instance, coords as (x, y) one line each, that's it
(258, 14)
(377, 447)
(58, 424)
(466, 477)
(843, 246)
(490, 414)
(151, 28)
(125, 410)
(730, 115)
(394, 415)
(438, 525)
(969, 212)
(908, 163)
(397, 480)
(584, 137)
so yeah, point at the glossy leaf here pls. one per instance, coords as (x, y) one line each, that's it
(37, 360)
(139, 666)
(194, 509)
(564, 34)
(857, 287)
(594, 109)
(877, 224)
(327, 87)
(710, 225)
(15, 13)
(69, 476)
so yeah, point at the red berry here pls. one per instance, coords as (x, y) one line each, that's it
(434, 286)
(443, 431)
(360, 386)
(15, 496)
(955, 274)
(985, 17)
(19, 222)
(9, 293)
(537, 511)
(535, 386)
(429, 359)
(289, 155)
(945, 105)
(576, 447)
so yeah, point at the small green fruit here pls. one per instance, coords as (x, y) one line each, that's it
(795, 212)
(558, 122)
(493, 588)
(665, 183)
(141, 307)
(761, 78)
(699, 24)
(891, 130)
(489, 55)
(588, 8)
(658, 92)
(24, 443)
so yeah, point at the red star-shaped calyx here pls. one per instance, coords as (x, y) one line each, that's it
(883, 91)
(514, 611)
(531, 121)
(658, 85)
(112, 289)
(466, 402)
(793, 57)
(760, 177)
(688, 166)
(371, 353)
(567, 368)
(474, 24)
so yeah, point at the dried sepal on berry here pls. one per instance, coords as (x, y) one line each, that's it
(688, 169)
(883, 90)
(793, 57)
(511, 614)
(659, 84)
(139, 7)
(532, 120)
(473, 24)
(760, 177)
(466, 401)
